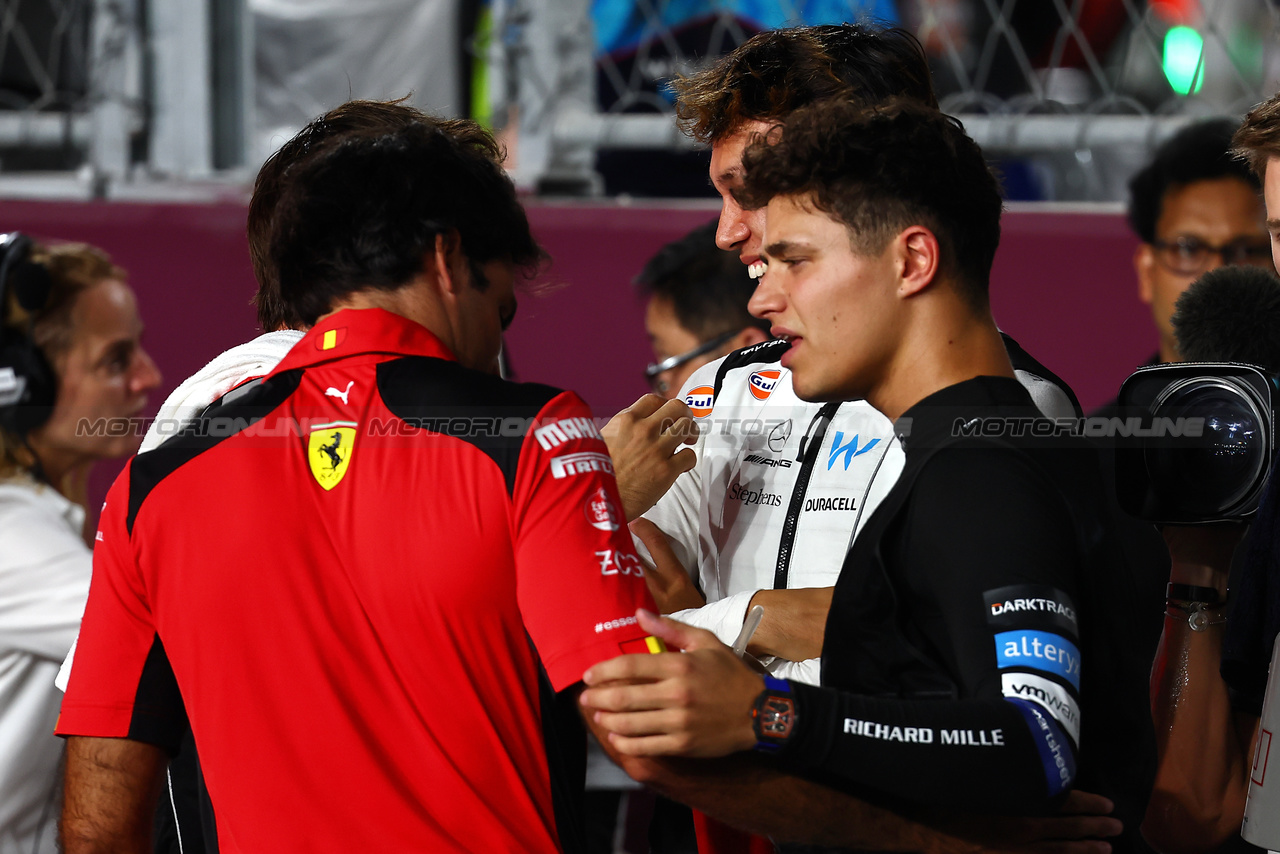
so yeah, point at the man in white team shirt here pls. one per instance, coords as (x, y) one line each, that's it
(780, 485)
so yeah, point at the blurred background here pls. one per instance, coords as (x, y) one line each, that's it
(138, 125)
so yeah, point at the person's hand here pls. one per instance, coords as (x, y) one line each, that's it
(695, 703)
(1201, 554)
(794, 622)
(669, 583)
(642, 440)
(1080, 827)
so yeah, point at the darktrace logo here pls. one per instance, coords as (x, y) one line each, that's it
(779, 435)
(1031, 606)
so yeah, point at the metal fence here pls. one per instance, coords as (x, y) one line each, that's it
(1073, 92)
(111, 95)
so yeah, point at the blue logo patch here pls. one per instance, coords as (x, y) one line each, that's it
(1039, 651)
(848, 451)
(1055, 754)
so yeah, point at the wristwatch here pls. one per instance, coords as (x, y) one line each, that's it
(773, 717)
(1176, 592)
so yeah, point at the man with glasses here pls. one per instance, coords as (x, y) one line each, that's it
(1195, 208)
(697, 309)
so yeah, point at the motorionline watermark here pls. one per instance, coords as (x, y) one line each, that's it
(549, 432)
(1094, 427)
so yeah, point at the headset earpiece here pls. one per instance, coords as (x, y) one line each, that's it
(28, 385)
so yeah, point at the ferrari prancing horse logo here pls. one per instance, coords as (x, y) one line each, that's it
(329, 448)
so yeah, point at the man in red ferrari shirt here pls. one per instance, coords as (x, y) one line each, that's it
(372, 583)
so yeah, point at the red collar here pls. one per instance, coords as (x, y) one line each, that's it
(369, 330)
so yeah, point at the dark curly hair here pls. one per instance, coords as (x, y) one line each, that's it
(1198, 152)
(775, 72)
(708, 287)
(354, 118)
(883, 168)
(363, 212)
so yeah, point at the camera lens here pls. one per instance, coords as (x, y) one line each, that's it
(1215, 472)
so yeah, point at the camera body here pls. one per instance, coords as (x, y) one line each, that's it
(1198, 441)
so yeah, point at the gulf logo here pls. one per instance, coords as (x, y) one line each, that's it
(762, 383)
(701, 400)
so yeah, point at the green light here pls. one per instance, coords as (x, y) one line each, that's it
(1183, 66)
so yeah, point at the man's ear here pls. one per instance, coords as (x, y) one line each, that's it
(1144, 262)
(918, 259)
(444, 262)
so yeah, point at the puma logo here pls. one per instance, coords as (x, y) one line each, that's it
(333, 392)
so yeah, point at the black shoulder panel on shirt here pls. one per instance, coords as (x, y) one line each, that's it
(564, 739)
(765, 351)
(215, 423)
(444, 397)
(159, 716)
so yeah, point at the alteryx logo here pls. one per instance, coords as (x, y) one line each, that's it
(847, 450)
(1043, 651)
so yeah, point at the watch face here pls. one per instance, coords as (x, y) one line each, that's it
(777, 717)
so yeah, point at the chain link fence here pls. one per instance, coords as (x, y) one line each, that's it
(1070, 95)
(44, 83)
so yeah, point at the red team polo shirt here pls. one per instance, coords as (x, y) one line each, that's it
(363, 581)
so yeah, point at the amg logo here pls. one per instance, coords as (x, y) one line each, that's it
(830, 504)
(871, 729)
(556, 433)
(765, 461)
(587, 461)
(1050, 605)
(748, 497)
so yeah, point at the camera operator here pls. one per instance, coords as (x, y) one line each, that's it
(70, 357)
(1205, 729)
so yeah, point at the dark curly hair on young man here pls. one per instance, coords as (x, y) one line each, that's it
(1198, 152)
(883, 168)
(364, 212)
(775, 72)
(354, 118)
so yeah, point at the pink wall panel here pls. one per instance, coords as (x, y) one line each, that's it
(1063, 286)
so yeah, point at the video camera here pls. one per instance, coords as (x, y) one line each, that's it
(1196, 442)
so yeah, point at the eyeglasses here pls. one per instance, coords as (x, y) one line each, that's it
(655, 370)
(1188, 256)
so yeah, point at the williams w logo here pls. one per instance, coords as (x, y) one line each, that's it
(329, 448)
(847, 450)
